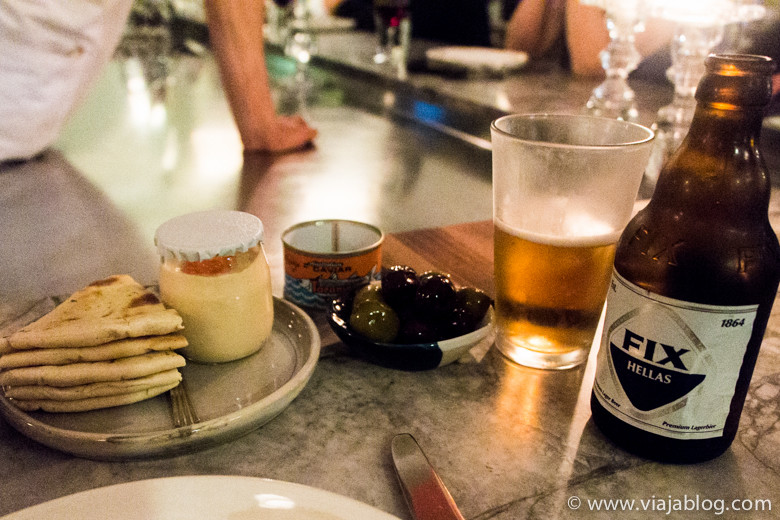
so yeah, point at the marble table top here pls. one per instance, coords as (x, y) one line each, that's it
(509, 442)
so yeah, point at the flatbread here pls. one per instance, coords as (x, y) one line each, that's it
(72, 393)
(92, 403)
(108, 351)
(115, 308)
(95, 372)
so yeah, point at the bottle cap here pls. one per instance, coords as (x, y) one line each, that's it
(205, 234)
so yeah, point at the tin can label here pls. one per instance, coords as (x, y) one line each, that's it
(314, 281)
(667, 366)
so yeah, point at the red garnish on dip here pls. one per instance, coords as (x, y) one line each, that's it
(209, 267)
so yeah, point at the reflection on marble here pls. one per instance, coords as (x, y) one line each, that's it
(158, 158)
(54, 221)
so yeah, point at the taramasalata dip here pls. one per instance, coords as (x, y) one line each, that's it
(215, 274)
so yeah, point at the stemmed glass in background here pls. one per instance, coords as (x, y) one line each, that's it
(289, 25)
(300, 43)
(279, 15)
(700, 26)
(614, 98)
(145, 51)
(393, 29)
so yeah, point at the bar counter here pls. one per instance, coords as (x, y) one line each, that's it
(509, 442)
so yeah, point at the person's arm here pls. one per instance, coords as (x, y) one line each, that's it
(331, 5)
(586, 37)
(535, 26)
(236, 33)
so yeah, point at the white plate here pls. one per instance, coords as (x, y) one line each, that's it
(477, 59)
(772, 122)
(203, 498)
(231, 399)
(321, 24)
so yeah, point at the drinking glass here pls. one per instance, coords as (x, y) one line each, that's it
(393, 32)
(279, 17)
(564, 187)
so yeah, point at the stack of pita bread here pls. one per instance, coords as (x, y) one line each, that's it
(109, 344)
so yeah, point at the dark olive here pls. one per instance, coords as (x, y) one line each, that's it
(417, 331)
(399, 285)
(375, 320)
(474, 302)
(409, 308)
(456, 323)
(435, 295)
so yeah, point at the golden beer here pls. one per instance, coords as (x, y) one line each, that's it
(569, 183)
(550, 292)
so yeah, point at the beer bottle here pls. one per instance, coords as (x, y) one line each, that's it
(695, 275)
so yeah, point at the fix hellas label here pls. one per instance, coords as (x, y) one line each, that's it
(667, 366)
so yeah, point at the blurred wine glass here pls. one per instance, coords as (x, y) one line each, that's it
(300, 45)
(614, 98)
(145, 50)
(699, 26)
(279, 14)
(392, 23)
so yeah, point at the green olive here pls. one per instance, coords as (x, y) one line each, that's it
(375, 320)
(370, 292)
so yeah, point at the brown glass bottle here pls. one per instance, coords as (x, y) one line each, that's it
(704, 238)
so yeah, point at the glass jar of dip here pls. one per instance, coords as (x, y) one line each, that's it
(215, 274)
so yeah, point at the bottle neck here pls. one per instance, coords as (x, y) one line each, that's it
(714, 127)
(718, 162)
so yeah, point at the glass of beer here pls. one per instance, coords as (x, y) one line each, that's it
(564, 187)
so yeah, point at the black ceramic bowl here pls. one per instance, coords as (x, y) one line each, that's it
(410, 357)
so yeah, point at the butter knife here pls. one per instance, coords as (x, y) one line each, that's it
(425, 493)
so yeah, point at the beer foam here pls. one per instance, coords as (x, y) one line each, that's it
(584, 231)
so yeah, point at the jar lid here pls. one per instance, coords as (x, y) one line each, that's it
(205, 234)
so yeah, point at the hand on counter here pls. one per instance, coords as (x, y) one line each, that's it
(236, 32)
(287, 133)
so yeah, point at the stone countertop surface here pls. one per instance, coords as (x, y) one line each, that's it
(468, 103)
(537, 87)
(509, 442)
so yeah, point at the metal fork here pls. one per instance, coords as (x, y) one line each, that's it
(181, 407)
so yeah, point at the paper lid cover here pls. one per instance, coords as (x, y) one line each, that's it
(205, 234)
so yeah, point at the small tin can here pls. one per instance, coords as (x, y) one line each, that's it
(325, 259)
(214, 272)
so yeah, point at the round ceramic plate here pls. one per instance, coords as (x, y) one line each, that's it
(409, 357)
(772, 123)
(230, 399)
(203, 498)
(477, 59)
